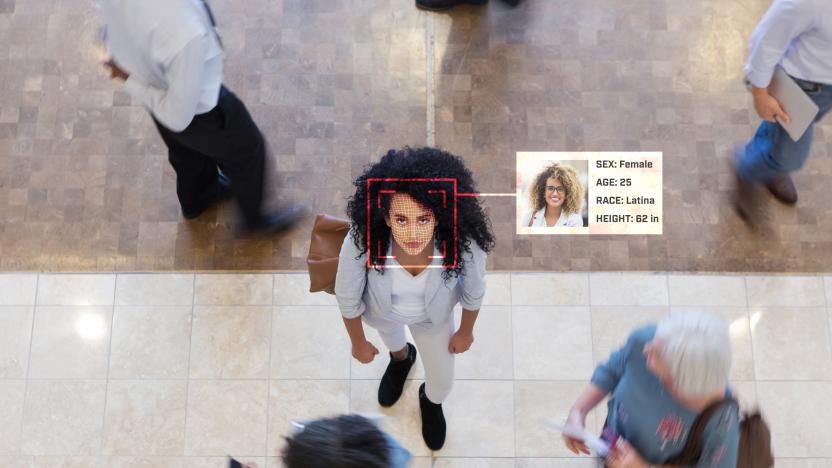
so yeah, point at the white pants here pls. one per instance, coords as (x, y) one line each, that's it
(432, 342)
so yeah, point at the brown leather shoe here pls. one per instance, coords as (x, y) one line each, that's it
(783, 189)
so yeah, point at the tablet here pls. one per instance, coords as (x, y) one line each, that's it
(794, 101)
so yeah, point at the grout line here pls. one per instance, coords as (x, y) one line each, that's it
(430, 81)
(188, 374)
(269, 371)
(28, 366)
(109, 355)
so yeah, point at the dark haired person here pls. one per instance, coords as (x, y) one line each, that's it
(555, 197)
(350, 441)
(171, 59)
(422, 261)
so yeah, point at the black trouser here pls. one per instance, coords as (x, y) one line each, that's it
(226, 138)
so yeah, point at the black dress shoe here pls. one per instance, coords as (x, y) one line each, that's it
(783, 189)
(441, 5)
(392, 383)
(281, 221)
(433, 421)
(223, 193)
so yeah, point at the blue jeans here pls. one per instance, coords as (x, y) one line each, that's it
(772, 153)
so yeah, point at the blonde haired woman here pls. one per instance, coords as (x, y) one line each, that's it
(555, 197)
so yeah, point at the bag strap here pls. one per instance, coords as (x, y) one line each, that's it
(694, 444)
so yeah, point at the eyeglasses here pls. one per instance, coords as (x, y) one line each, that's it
(560, 189)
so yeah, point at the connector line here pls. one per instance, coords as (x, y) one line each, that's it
(494, 194)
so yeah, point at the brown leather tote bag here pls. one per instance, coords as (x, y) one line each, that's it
(328, 235)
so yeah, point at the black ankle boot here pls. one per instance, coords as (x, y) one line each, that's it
(433, 421)
(392, 383)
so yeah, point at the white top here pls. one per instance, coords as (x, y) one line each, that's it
(172, 53)
(565, 220)
(797, 34)
(408, 298)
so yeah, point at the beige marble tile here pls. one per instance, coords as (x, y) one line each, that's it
(791, 343)
(158, 289)
(536, 402)
(474, 431)
(498, 289)
(739, 328)
(403, 420)
(12, 393)
(787, 291)
(146, 462)
(707, 290)
(473, 463)
(236, 289)
(226, 416)
(628, 289)
(549, 289)
(298, 400)
(221, 462)
(746, 393)
(18, 288)
(803, 462)
(15, 338)
(150, 342)
(611, 326)
(70, 342)
(552, 343)
(827, 286)
(293, 289)
(230, 342)
(63, 417)
(67, 462)
(375, 369)
(322, 353)
(797, 414)
(584, 462)
(145, 417)
(491, 355)
(76, 289)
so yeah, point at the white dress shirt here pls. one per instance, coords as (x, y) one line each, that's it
(172, 53)
(565, 219)
(797, 34)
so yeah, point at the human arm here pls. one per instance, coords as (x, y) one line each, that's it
(350, 281)
(589, 399)
(473, 293)
(175, 106)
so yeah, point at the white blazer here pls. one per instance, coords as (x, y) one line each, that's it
(565, 220)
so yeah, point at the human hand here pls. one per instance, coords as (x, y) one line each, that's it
(574, 445)
(767, 107)
(460, 342)
(623, 455)
(115, 71)
(364, 352)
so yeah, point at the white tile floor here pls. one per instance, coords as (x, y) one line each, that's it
(179, 370)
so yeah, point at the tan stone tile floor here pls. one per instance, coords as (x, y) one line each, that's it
(85, 185)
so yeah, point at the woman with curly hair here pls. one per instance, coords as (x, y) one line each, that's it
(555, 197)
(414, 251)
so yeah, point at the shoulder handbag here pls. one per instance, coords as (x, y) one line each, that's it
(328, 235)
(755, 439)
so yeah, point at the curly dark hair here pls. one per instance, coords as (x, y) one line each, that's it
(348, 441)
(434, 168)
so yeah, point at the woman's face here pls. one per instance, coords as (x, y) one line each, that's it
(554, 193)
(412, 224)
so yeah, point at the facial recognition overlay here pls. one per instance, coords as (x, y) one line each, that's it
(411, 222)
(623, 192)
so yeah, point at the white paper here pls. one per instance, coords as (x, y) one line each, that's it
(595, 443)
